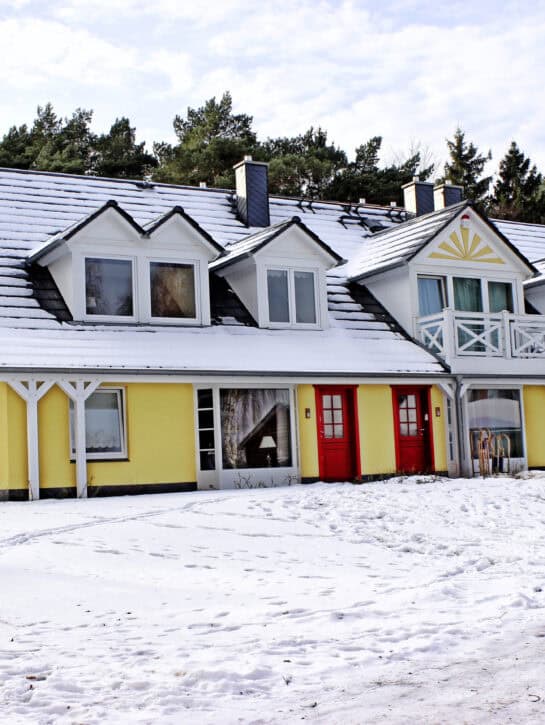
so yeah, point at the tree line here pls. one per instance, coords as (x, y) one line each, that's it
(211, 139)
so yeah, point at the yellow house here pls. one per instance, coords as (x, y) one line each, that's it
(162, 338)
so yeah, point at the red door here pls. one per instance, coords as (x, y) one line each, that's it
(413, 430)
(337, 447)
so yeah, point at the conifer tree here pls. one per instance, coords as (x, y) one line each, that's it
(518, 191)
(465, 167)
(116, 153)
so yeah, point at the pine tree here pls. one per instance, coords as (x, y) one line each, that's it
(364, 178)
(303, 165)
(211, 139)
(116, 153)
(466, 166)
(518, 192)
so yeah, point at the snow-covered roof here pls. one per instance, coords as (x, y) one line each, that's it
(254, 242)
(37, 207)
(529, 239)
(396, 246)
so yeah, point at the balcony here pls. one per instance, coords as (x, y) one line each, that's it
(503, 342)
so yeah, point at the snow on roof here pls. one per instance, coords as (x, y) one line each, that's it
(529, 239)
(37, 207)
(395, 246)
(215, 350)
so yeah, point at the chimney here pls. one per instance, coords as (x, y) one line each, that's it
(447, 194)
(252, 185)
(418, 196)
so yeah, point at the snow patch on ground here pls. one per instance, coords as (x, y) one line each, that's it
(414, 599)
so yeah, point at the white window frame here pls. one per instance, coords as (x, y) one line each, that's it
(146, 291)
(135, 303)
(448, 288)
(122, 408)
(223, 477)
(291, 270)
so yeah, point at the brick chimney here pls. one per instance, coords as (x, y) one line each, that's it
(447, 194)
(252, 187)
(418, 196)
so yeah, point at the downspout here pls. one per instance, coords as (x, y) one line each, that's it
(460, 427)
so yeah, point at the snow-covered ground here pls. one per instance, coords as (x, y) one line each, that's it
(405, 601)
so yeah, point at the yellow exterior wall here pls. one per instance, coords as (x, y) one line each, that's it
(439, 427)
(308, 432)
(17, 473)
(534, 405)
(376, 422)
(160, 439)
(4, 452)
(54, 441)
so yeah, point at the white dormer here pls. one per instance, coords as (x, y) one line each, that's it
(279, 273)
(110, 269)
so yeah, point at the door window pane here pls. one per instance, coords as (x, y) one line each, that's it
(255, 428)
(108, 287)
(467, 294)
(205, 411)
(305, 303)
(172, 288)
(277, 287)
(431, 296)
(500, 296)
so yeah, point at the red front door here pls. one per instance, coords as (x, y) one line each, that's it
(337, 448)
(413, 430)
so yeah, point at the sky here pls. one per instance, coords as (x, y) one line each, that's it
(408, 70)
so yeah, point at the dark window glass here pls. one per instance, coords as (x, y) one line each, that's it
(204, 398)
(277, 287)
(108, 287)
(172, 290)
(500, 296)
(467, 294)
(496, 412)
(305, 303)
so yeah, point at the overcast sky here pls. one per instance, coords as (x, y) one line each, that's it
(409, 70)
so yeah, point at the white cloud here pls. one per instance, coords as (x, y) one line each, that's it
(408, 72)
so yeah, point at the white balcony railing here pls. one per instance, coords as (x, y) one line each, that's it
(452, 334)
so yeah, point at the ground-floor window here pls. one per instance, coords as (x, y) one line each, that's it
(244, 428)
(105, 435)
(495, 413)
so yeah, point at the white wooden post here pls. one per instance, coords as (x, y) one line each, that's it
(78, 392)
(450, 344)
(31, 391)
(506, 319)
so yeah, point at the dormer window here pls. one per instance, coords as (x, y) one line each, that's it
(291, 297)
(109, 287)
(172, 290)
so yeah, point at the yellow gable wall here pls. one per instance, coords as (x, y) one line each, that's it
(160, 439)
(534, 405)
(308, 432)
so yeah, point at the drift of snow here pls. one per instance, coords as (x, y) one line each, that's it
(412, 600)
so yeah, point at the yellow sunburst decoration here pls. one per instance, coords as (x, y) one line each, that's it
(460, 248)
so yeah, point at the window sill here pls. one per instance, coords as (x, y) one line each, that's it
(101, 459)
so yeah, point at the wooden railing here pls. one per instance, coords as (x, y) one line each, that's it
(453, 334)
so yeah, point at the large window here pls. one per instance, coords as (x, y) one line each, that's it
(255, 428)
(172, 290)
(496, 412)
(109, 287)
(292, 297)
(104, 425)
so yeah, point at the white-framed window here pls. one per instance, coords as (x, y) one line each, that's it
(110, 287)
(464, 294)
(241, 428)
(173, 290)
(292, 297)
(105, 425)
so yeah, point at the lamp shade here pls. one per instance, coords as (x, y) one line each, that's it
(267, 442)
